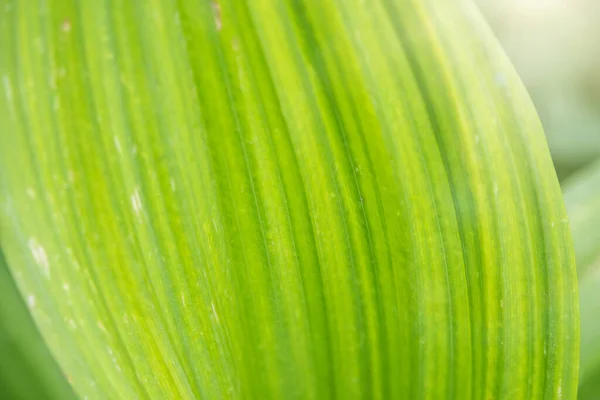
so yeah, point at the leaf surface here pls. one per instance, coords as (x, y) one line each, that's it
(282, 199)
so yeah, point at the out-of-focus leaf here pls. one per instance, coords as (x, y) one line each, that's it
(582, 198)
(572, 127)
(27, 369)
(282, 199)
(562, 78)
(589, 295)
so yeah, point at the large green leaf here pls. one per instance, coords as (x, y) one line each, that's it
(282, 199)
(582, 197)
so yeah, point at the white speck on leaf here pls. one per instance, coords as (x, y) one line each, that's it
(117, 144)
(72, 324)
(39, 255)
(215, 312)
(31, 193)
(114, 359)
(31, 301)
(66, 287)
(7, 87)
(66, 26)
(172, 182)
(136, 202)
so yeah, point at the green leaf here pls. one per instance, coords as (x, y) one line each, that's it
(582, 198)
(282, 199)
(27, 369)
(589, 296)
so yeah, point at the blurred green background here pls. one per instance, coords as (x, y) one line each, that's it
(554, 45)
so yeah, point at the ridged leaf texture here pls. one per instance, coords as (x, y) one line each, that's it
(282, 199)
